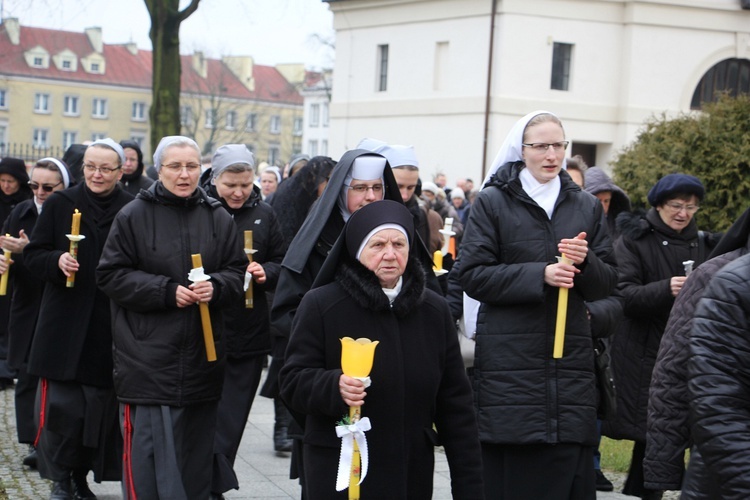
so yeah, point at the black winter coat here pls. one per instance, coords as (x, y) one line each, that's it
(719, 379)
(418, 379)
(649, 253)
(26, 288)
(159, 351)
(73, 337)
(523, 395)
(248, 329)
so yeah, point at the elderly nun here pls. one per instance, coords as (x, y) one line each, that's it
(419, 395)
(167, 387)
(248, 340)
(71, 351)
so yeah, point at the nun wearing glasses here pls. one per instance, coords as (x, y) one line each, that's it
(536, 413)
(47, 176)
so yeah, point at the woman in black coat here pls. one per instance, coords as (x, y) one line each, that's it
(167, 387)
(47, 176)
(72, 346)
(718, 372)
(417, 375)
(535, 412)
(651, 256)
(230, 180)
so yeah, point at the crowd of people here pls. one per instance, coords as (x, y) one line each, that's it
(516, 322)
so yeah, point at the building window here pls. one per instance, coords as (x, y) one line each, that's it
(312, 148)
(251, 122)
(273, 155)
(231, 120)
(40, 138)
(275, 124)
(41, 103)
(210, 118)
(186, 116)
(324, 147)
(731, 76)
(99, 108)
(314, 115)
(39, 62)
(98, 135)
(69, 138)
(3, 138)
(70, 105)
(561, 56)
(67, 65)
(382, 68)
(3, 99)
(139, 112)
(297, 126)
(138, 136)
(324, 113)
(95, 67)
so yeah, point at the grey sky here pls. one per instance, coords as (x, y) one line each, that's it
(271, 31)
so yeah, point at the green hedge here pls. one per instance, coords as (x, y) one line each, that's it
(713, 145)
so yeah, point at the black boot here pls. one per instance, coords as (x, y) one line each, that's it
(30, 459)
(81, 489)
(281, 441)
(61, 490)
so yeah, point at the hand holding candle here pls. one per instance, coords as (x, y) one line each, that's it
(67, 267)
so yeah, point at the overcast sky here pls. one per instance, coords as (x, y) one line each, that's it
(271, 31)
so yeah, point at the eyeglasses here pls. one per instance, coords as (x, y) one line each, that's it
(177, 167)
(679, 207)
(362, 189)
(45, 187)
(542, 147)
(101, 170)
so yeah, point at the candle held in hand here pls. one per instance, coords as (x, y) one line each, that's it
(75, 228)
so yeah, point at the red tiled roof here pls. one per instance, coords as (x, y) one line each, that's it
(126, 69)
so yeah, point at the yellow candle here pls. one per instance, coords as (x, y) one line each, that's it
(437, 259)
(249, 246)
(4, 278)
(562, 316)
(208, 333)
(75, 228)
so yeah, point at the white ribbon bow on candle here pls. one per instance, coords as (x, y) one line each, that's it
(349, 434)
(248, 279)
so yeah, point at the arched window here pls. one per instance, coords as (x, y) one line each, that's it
(730, 75)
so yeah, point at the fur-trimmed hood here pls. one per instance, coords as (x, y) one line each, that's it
(364, 288)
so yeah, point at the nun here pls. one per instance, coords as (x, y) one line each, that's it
(133, 179)
(167, 387)
(419, 396)
(48, 175)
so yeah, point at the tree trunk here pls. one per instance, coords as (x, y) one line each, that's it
(166, 68)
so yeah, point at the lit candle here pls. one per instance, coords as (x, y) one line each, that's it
(249, 252)
(437, 259)
(208, 333)
(75, 228)
(4, 278)
(562, 315)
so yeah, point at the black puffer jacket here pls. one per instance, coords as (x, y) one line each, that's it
(719, 379)
(159, 351)
(248, 329)
(649, 254)
(524, 396)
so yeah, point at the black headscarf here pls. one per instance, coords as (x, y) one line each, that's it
(126, 178)
(16, 168)
(73, 158)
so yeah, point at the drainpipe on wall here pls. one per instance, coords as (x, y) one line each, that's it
(488, 95)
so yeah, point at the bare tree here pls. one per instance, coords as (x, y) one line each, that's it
(166, 18)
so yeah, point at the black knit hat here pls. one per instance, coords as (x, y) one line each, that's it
(373, 215)
(15, 167)
(674, 184)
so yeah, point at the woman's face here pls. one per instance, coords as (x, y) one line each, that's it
(678, 212)
(386, 254)
(544, 165)
(131, 161)
(268, 183)
(41, 177)
(9, 184)
(361, 193)
(180, 170)
(235, 187)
